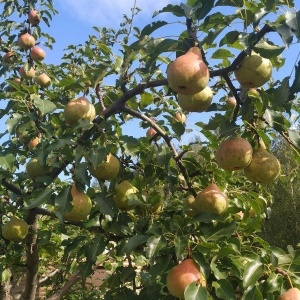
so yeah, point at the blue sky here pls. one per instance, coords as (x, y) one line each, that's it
(74, 23)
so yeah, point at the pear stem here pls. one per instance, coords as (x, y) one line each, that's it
(191, 31)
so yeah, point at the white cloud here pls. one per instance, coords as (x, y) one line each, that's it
(110, 13)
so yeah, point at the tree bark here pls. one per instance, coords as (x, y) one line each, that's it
(32, 257)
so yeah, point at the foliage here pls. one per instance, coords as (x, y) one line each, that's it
(122, 72)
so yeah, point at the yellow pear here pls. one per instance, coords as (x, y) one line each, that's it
(254, 71)
(81, 206)
(183, 274)
(15, 229)
(234, 153)
(291, 294)
(122, 191)
(211, 200)
(107, 169)
(79, 108)
(263, 168)
(188, 74)
(198, 102)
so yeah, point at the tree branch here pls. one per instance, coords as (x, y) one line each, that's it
(177, 157)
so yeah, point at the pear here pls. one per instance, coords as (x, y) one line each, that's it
(15, 229)
(189, 206)
(254, 71)
(79, 108)
(107, 169)
(291, 294)
(183, 274)
(122, 191)
(188, 74)
(81, 208)
(35, 169)
(263, 168)
(198, 102)
(234, 154)
(211, 200)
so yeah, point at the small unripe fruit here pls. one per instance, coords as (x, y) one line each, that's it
(8, 58)
(37, 53)
(33, 142)
(34, 17)
(151, 132)
(180, 117)
(43, 80)
(35, 169)
(81, 206)
(26, 74)
(26, 41)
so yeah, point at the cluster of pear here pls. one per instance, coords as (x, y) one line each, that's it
(27, 42)
(234, 154)
(188, 75)
(188, 271)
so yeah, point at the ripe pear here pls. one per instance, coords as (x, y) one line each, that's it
(107, 169)
(34, 17)
(183, 274)
(234, 154)
(33, 142)
(26, 73)
(211, 200)
(15, 229)
(254, 71)
(122, 191)
(188, 74)
(9, 57)
(26, 41)
(79, 108)
(35, 169)
(198, 102)
(82, 206)
(263, 168)
(291, 294)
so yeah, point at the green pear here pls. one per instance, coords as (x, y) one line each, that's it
(15, 229)
(122, 191)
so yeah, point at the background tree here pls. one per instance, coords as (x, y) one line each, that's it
(139, 230)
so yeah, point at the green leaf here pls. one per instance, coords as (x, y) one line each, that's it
(294, 137)
(146, 99)
(268, 49)
(252, 272)
(7, 162)
(224, 289)
(106, 206)
(293, 20)
(222, 53)
(229, 38)
(219, 231)
(94, 248)
(39, 197)
(180, 244)
(154, 245)
(285, 32)
(295, 87)
(194, 291)
(252, 294)
(63, 202)
(45, 106)
(235, 3)
(206, 217)
(133, 243)
(81, 173)
(148, 29)
(174, 9)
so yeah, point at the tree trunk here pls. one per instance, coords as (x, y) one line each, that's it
(32, 256)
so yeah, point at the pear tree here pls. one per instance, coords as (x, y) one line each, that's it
(99, 169)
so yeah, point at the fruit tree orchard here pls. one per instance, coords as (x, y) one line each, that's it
(165, 220)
